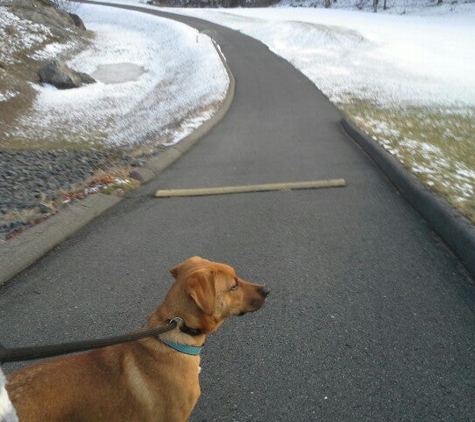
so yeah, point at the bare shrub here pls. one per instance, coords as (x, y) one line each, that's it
(360, 4)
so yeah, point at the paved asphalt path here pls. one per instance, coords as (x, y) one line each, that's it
(370, 317)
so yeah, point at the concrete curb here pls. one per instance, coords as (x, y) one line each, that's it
(457, 232)
(18, 254)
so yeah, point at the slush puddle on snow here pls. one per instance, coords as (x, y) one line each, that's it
(117, 73)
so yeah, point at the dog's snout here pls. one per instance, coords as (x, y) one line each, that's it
(264, 291)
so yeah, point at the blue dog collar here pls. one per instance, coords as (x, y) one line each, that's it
(183, 348)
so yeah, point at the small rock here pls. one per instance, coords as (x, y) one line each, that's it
(44, 209)
(78, 21)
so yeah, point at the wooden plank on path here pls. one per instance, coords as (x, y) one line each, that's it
(225, 190)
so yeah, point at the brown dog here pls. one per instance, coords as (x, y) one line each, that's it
(144, 380)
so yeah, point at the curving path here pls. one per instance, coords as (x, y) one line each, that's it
(371, 318)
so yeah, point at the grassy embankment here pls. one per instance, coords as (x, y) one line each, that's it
(435, 144)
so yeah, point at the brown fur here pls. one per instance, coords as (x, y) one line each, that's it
(143, 380)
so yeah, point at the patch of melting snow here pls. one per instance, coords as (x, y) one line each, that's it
(50, 51)
(188, 127)
(18, 35)
(7, 95)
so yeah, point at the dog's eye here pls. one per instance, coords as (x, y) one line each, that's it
(235, 285)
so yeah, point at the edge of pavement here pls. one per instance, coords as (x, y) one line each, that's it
(19, 253)
(454, 229)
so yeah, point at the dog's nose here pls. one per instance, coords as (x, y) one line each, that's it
(264, 291)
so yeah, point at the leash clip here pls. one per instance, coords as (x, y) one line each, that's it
(178, 320)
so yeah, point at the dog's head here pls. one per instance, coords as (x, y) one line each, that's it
(205, 293)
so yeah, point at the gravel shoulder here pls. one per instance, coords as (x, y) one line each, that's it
(35, 185)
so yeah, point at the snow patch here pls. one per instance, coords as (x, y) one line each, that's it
(176, 72)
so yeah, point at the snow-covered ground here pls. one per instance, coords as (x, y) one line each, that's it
(172, 80)
(382, 57)
(397, 7)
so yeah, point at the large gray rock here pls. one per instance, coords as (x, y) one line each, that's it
(58, 74)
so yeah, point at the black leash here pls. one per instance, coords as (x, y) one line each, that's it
(39, 352)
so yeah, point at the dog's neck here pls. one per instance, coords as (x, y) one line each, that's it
(190, 331)
(184, 334)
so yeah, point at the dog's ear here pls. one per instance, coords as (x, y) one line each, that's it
(184, 265)
(200, 286)
(174, 271)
